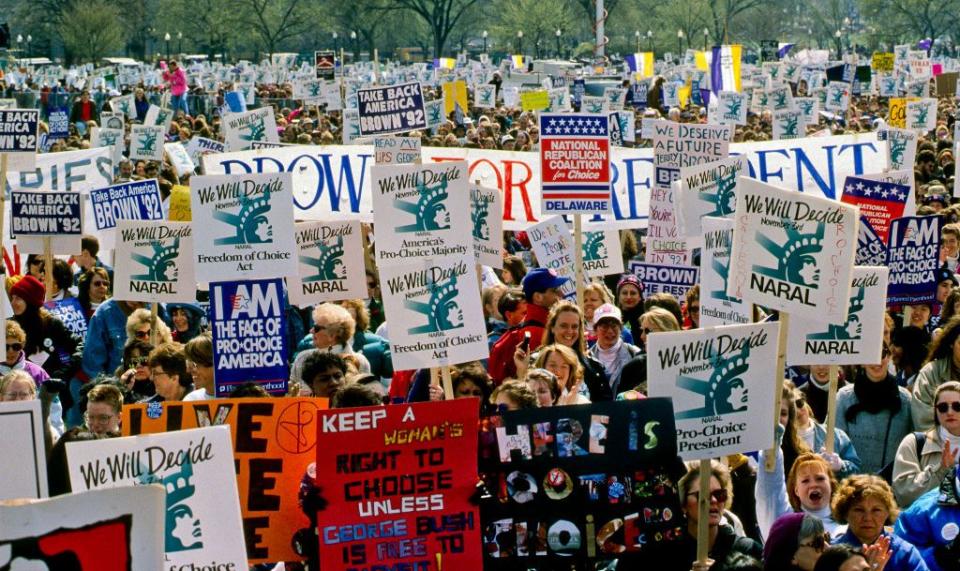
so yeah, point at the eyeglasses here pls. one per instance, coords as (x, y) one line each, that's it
(318, 328)
(15, 347)
(943, 407)
(18, 396)
(99, 418)
(142, 334)
(720, 496)
(154, 373)
(137, 361)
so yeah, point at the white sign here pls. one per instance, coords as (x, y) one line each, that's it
(552, 244)
(486, 223)
(330, 263)
(397, 150)
(716, 306)
(602, 253)
(240, 130)
(708, 189)
(154, 261)
(22, 450)
(146, 143)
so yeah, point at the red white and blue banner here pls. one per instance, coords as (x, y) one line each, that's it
(880, 202)
(575, 163)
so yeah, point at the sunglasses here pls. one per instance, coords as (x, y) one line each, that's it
(318, 328)
(15, 347)
(719, 496)
(142, 334)
(137, 361)
(943, 407)
(100, 284)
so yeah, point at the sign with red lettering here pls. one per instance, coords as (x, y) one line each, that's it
(398, 480)
(273, 450)
(575, 163)
(880, 202)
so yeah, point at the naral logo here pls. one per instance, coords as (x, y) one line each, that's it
(595, 107)
(733, 108)
(429, 209)
(921, 119)
(162, 265)
(479, 214)
(836, 96)
(796, 263)
(251, 225)
(328, 264)
(724, 201)
(594, 248)
(442, 311)
(898, 147)
(788, 127)
(256, 129)
(724, 392)
(724, 272)
(183, 531)
(486, 96)
(852, 329)
(148, 142)
(780, 99)
(435, 112)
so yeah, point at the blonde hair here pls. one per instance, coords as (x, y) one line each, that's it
(341, 323)
(567, 354)
(15, 331)
(662, 319)
(18, 375)
(141, 317)
(362, 320)
(860, 487)
(717, 470)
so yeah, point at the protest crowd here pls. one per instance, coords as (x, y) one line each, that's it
(696, 314)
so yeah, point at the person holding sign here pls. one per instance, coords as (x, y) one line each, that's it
(942, 365)
(49, 343)
(925, 458)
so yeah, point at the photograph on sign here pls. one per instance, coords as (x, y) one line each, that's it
(330, 263)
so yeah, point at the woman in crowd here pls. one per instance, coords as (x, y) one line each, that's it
(630, 302)
(333, 330)
(692, 307)
(376, 349)
(943, 364)
(469, 380)
(49, 343)
(513, 270)
(794, 543)
(924, 459)
(18, 385)
(611, 350)
(865, 502)
(908, 349)
(199, 354)
(791, 444)
(563, 362)
(134, 373)
(723, 541)
(513, 395)
(62, 281)
(16, 357)
(545, 385)
(633, 375)
(949, 310)
(93, 288)
(104, 403)
(138, 327)
(844, 461)
(168, 371)
(187, 320)
(656, 320)
(596, 294)
(875, 414)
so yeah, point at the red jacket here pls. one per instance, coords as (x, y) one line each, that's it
(501, 365)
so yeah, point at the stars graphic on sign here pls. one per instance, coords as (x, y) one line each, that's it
(576, 126)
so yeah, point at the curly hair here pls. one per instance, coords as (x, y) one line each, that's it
(860, 487)
(517, 391)
(341, 325)
(805, 460)
(141, 317)
(942, 346)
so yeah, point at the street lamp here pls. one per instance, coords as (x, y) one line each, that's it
(485, 34)
(679, 41)
(336, 44)
(520, 42)
(558, 33)
(166, 38)
(353, 38)
(706, 38)
(637, 36)
(838, 34)
(650, 40)
(180, 43)
(19, 49)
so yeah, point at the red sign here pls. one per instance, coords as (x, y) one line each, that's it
(575, 163)
(880, 202)
(399, 480)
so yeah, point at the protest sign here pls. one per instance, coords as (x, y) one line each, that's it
(673, 279)
(913, 256)
(19, 137)
(922, 114)
(22, 450)
(146, 143)
(809, 108)
(159, 117)
(733, 108)
(538, 100)
(396, 150)
(623, 127)
(486, 223)
(127, 201)
(71, 313)
(371, 461)
(180, 158)
(708, 189)
(249, 335)
(202, 524)
(882, 62)
(716, 306)
(880, 202)
(102, 530)
(421, 212)
(485, 96)
(858, 341)
(602, 253)
(719, 380)
(614, 98)
(273, 445)
(242, 129)
(199, 146)
(792, 251)
(901, 147)
(455, 98)
(112, 138)
(110, 120)
(58, 120)
(45, 213)
(574, 163)
(592, 105)
(838, 97)
(552, 244)
(577, 485)
(330, 263)
(780, 98)
(871, 250)
(325, 64)
(125, 104)
(391, 109)
(242, 225)
(788, 124)
(154, 261)
(435, 303)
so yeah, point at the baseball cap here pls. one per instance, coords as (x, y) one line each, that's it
(539, 280)
(607, 311)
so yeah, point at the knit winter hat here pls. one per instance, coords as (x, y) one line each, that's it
(782, 541)
(30, 290)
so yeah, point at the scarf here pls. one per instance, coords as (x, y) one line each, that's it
(5, 368)
(874, 397)
(608, 357)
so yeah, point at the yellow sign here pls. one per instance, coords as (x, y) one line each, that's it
(455, 93)
(535, 100)
(898, 111)
(882, 62)
(180, 204)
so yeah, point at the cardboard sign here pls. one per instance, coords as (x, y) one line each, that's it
(486, 223)
(436, 306)
(922, 114)
(180, 158)
(45, 213)
(838, 97)
(110, 120)
(575, 163)
(330, 263)
(125, 104)
(202, 522)
(199, 146)
(568, 479)
(913, 256)
(675, 280)
(249, 335)
(155, 261)
(858, 341)
(58, 120)
(538, 100)
(274, 442)
(792, 251)
(733, 108)
(485, 96)
(325, 64)
(128, 201)
(367, 459)
(25, 472)
(242, 226)
(397, 150)
(240, 130)
(391, 109)
(880, 202)
(882, 62)
(146, 143)
(809, 108)
(552, 244)
(159, 117)
(420, 212)
(901, 147)
(602, 253)
(716, 306)
(708, 189)
(720, 380)
(71, 313)
(111, 138)
(104, 530)
(788, 124)
(19, 136)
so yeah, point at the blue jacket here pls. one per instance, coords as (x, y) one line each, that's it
(375, 348)
(929, 518)
(842, 445)
(106, 336)
(904, 556)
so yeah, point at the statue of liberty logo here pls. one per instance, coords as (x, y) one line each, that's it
(435, 112)
(723, 271)
(442, 311)
(920, 120)
(724, 201)
(328, 264)
(889, 85)
(898, 147)
(162, 116)
(486, 96)
(430, 209)
(478, 216)
(836, 96)
(594, 107)
(780, 99)
(788, 127)
(733, 108)
(162, 265)
(256, 129)
(107, 138)
(853, 328)
(916, 89)
(250, 224)
(806, 107)
(796, 263)
(724, 392)
(614, 96)
(122, 105)
(594, 247)
(183, 531)
(147, 142)
(313, 89)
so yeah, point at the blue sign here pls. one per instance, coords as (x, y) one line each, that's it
(871, 251)
(579, 89)
(19, 130)
(391, 109)
(913, 256)
(45, 213)
(249, 341)
(70, 312)
(675, 280)
(640, 91)
(58, 121)
(128, 201)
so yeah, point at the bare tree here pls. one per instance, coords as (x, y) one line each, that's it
(276, 21)
(441, 16)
